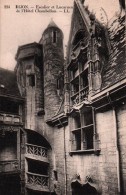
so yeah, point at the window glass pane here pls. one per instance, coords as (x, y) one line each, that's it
(82, 130)
(88, 139)
(77, 121)
(87, 118)
(78, 140)
(84, 79)
(75, 86)
(31, 80)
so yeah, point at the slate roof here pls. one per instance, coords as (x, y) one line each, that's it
(115, 69)
(8, 83)
(52, 24)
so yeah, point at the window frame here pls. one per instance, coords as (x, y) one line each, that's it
(79, 36)
(54, 36)
(77, 96)
(84, 129)
(31, 80)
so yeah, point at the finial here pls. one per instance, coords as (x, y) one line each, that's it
(51, 19)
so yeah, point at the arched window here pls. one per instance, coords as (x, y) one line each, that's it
(78, 37)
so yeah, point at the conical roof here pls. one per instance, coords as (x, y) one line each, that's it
(52, 24)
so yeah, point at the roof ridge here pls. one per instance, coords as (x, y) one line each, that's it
(83, 13)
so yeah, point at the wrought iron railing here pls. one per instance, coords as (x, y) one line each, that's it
(36, 150)
(38, 180)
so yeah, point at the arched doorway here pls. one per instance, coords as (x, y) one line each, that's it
(87, 189)
(82, 189)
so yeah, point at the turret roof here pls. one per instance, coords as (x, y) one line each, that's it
(52, 24)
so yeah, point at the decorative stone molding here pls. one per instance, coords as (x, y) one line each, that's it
(9, 128)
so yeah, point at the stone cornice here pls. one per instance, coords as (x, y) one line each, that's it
(58, 121)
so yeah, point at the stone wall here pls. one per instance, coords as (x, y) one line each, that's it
(121, 118)
(102, 168)
(53, 66)
(59, 159)
(30, 64)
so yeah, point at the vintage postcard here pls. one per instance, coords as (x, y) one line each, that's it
(62, 97)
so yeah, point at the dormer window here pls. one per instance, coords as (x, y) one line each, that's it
(78, 37)
(54, 36)
(79, 82)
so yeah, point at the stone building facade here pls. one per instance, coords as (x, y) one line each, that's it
(12, 135)
(62, 122)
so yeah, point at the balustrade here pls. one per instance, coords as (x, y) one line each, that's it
(37, 180)
(75, 99)
(36, 150)
(83, 93)
(9, 118)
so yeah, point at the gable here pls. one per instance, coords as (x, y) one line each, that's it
(77, 24)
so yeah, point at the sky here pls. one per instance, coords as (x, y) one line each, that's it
(19, 28)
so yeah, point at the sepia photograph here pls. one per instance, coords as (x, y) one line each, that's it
(62, 97)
